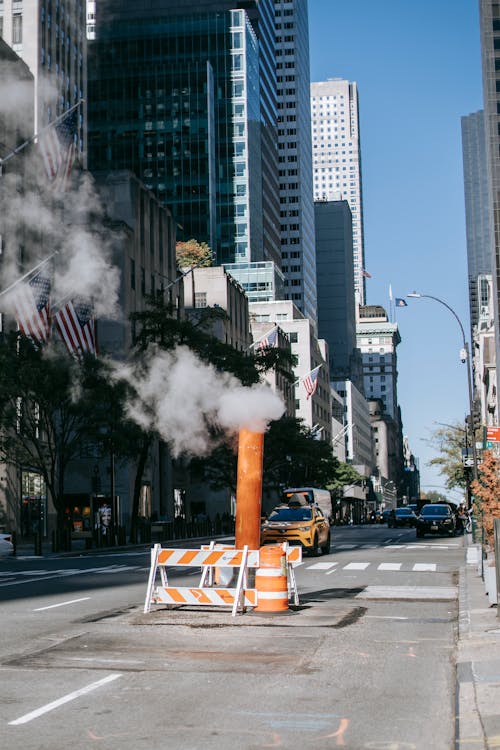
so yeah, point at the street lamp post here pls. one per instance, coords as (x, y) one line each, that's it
(466, 359)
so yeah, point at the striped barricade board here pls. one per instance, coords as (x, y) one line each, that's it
(238, 597)
(203, 596)
(293, 559)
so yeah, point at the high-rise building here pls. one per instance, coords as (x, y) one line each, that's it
(335, 289)
(489, 21)
(50, 38)
(477, 206)
(185, 96)
(377, 340)
(336, 154)
(294, 145)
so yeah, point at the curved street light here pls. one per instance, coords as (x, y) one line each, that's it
(466, 359)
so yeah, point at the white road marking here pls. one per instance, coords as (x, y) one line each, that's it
(61, 604)
(321, 566)
(408, 592)
(61, 701)
(425, 566)
(344, 546)
(356, 566)
(386, 617)
(389, 566)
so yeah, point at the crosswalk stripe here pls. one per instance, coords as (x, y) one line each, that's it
(425, 566)
(389, 566)
(322, 566)
(356, 566)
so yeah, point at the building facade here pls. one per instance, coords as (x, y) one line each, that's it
(50, 38)
(337, 159)
(188, 102)
(335, 288)
(489, 21)
(314, 410)
(377, 340)
(295, 159)
(477, 206)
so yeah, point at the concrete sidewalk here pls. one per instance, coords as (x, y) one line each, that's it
(478, 661)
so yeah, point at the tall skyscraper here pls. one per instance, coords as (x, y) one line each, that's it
(335, 285)
(295, 165)
(489, 20)
(337, 159)
(185, 96)
(477, 206)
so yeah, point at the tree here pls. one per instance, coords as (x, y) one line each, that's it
(42, 415)
(449, 441)
(193, 254)
(487, 493)
(112, 430)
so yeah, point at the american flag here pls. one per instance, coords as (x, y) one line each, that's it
(76, 325)
(58, 148)
(311, 381)
(269, 340)
(31, 306)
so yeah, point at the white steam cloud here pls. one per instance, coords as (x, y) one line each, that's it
(182, 398)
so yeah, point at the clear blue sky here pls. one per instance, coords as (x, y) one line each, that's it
(418, 70)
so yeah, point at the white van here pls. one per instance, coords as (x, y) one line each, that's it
(322, 498)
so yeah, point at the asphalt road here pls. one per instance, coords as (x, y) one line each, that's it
(365, 661)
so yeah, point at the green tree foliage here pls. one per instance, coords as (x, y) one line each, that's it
(449, 441)
(193, 254)
(487, 493)
(51, 406)
(42, 415)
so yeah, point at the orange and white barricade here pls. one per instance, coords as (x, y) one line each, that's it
(293, 559)
(238, 597)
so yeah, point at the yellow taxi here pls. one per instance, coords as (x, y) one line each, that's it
(298, 522)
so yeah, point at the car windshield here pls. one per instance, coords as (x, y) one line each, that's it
(403, 512)
(291, 514)
(435, 510)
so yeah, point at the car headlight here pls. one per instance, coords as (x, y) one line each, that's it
(447, 520)
(304, 528)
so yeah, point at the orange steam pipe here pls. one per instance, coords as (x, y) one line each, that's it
(249, 489)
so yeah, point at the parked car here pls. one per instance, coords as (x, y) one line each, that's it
(298, 523)
(6, 546)
(436, 518)
(402, 517)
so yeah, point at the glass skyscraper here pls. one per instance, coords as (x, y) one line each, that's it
(180, 95)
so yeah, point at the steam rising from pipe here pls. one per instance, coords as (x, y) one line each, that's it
(186, 401)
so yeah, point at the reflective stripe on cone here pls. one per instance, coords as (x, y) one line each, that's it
(271, 580)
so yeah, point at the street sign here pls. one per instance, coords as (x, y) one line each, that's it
(493, 434)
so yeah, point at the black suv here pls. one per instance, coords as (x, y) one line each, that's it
(436, 518)
(401, 517)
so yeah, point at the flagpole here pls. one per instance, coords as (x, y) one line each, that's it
(28, 273)
(261, 338)
(23, 145)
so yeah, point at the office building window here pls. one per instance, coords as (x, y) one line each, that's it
(17, 28)
(200, 299)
